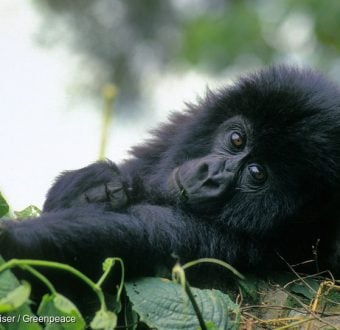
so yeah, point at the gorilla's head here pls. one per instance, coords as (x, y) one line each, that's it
(258, 154)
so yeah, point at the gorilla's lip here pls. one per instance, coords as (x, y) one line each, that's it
(178, 182)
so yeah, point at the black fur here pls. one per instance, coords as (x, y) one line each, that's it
(193, 192)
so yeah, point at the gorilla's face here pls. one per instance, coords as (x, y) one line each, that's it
(239, 180)
(228, 168)
(273, 158)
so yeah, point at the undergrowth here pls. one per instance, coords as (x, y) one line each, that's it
(283, 301)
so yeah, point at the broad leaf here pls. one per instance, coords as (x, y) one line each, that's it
(64, 314)
(104, 320)
(10, 293)
(164, 305)
(15, 298)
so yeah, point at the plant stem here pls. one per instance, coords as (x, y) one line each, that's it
(178, 274)
(41, 277)
(56, 265)
(213, 261)
(195, 306)
(109, 95)
(106, 273)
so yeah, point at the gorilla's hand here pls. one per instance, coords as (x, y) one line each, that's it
(112, 192)
(100, 182)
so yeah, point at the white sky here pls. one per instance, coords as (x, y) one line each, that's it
(41, 132)
(38, 138)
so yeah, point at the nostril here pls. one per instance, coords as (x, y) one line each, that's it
(203, 171)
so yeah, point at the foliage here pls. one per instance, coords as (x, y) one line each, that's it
(210, 39)
(162, 304)
(29, 212)
(127, 42)
(158, 303)
(57, 312)
(286, 300)
(14, 302)
(4, 207)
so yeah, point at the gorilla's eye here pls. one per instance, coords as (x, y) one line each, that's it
(237, 140)
(257, 172)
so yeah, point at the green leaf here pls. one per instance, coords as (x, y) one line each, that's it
(164, 305)
(4, 207)
(307, 289)
(29, 212)
(21, 319)
(105, 320)
(8, 283)
(250, 287)
(211, 326)
(15, 298)
(62, 313)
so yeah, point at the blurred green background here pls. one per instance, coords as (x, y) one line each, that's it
(129, 41)
(58, 55)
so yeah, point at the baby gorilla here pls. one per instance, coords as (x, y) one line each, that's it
(250, 173)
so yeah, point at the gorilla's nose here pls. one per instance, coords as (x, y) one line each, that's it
(204, 178)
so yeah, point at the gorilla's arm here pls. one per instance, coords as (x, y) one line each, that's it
(145, 238)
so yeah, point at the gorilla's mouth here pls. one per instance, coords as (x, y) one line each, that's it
(176, 180)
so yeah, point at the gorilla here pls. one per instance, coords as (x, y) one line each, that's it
(249, 174)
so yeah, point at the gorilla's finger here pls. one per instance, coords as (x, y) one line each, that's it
(96, 194)
(116, 194)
